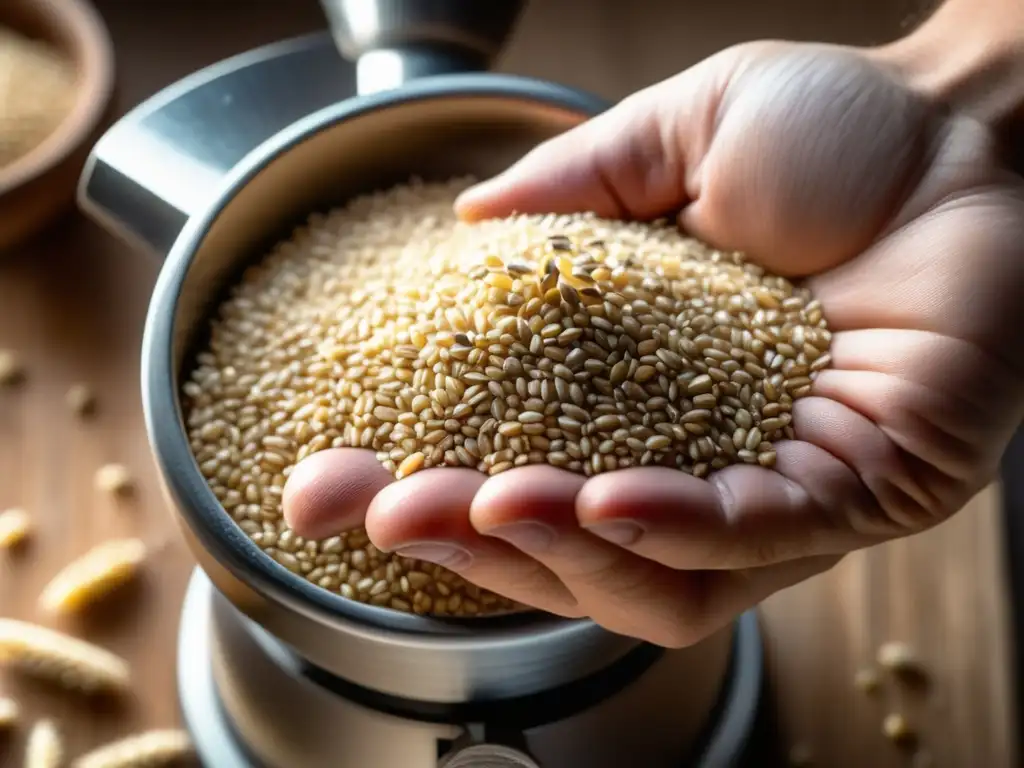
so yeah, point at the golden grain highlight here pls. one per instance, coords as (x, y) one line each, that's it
(15, 527)
(93, 576)
(150, 749)
(114, 479)
(67, 661)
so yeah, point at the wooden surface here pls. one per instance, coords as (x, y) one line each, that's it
(73, 304)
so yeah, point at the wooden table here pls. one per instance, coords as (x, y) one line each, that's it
(73, 305)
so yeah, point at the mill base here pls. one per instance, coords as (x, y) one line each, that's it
(379, 740)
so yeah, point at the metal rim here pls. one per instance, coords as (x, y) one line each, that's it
(213, 528)
(723, 744)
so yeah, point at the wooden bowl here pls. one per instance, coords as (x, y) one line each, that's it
(40, 186)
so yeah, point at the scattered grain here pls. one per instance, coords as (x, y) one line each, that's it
(81, 400)
(866, 680)
(10, 713)
(149, 749)
(389, 325)
(92, 576)
(44, 748)
(114, 479)
(60, 658)
(15, 527)
(897, 729)
(898, 658)
(11, 369)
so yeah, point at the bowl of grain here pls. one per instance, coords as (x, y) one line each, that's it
(56, 83)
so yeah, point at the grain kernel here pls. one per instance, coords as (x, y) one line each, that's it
(114, 479)
(15, 527)
(81, 400)
(93, 576)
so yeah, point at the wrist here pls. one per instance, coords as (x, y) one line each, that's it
(970, 57)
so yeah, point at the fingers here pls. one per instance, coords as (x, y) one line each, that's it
(744, 517)
(538, 519)
(426, 516)
(330, 491)
(620, 590)
(629, 162)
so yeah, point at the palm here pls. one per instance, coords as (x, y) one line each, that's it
(820, 166)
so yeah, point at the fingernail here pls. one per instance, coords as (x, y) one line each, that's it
(448, 556)
(625, 533)
(527, 536)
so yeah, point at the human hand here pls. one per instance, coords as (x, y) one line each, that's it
(819, 164)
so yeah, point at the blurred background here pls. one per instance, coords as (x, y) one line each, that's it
(72, 306)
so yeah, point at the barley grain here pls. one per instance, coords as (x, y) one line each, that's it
(81, 400)
(11, 369)
(44, 748)
(389, 325)
(60, 658)
(897, 729)
(866, 680)
(149, 749)
(15, 527)
(898, 657)
(92, 576)
(10, 713)
(114, 479)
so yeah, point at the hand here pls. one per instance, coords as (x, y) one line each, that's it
(819, 163)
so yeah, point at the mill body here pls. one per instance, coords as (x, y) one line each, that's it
(207, 174)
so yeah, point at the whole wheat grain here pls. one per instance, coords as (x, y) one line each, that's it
(114, 479)
(62, 659)
(92, 576)
(15, 527)
(573, 341)
(149, 749)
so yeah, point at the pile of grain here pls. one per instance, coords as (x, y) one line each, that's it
(37, 91)
(586, 344)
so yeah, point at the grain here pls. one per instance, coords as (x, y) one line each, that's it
(11, 369)
(898, 658)
(81, 400)
(10, 713)
(44, 748)
(15, 527)
(866, 680)
(37, 91)
(149, 749)
(92, 576)
(114, 479)
(586, 344)
(897, 729)
(60, 658)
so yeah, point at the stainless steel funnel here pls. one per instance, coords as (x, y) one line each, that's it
(392, 41)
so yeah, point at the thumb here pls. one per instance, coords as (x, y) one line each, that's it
(627, 163)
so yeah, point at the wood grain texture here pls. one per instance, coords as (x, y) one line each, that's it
(73, 305)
